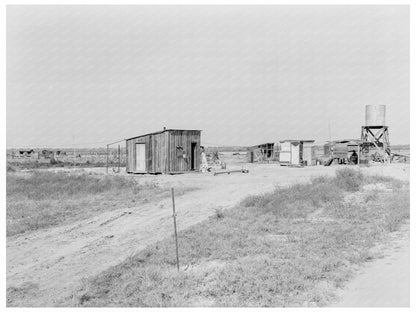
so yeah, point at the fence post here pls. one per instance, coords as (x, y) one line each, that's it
(174, 225)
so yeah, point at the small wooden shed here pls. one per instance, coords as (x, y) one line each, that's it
(261, 152)
(296, 152)
(167, 151)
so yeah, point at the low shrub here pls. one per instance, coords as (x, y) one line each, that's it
(349, 179)
(219, 213)
(301, 197)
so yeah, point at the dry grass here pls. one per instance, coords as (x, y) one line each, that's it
(292, 247)
(36, 164)
(45, 199)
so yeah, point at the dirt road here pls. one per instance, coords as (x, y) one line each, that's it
(384, 282)
(55, 260)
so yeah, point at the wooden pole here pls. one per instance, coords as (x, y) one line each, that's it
(107, 158)
(174, 225)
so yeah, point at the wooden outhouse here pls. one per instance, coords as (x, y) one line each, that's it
(296, 152)
(167, 151)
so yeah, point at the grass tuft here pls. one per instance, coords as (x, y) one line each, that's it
(219, 213)
(349, 179)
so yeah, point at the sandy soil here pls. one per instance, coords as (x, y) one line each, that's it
(57, 259)
(384, 282)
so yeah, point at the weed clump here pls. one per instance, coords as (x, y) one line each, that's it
(299, 199)
(349, 179)
(219, 213)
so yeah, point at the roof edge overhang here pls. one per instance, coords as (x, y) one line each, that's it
(159, 132)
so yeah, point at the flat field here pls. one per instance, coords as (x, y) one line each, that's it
(43, 199)
(238, 236)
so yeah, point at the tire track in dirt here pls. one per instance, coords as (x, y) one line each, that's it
(56, 259)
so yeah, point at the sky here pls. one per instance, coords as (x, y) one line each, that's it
(89, 75)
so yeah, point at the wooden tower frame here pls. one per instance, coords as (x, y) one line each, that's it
(379, 135)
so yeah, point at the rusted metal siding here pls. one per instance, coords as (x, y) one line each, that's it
(162, 154)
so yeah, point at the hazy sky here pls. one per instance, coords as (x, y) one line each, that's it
(242, 74)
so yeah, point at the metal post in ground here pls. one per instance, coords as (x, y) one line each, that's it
(174, 225)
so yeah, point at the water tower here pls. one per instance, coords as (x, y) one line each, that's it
(375, 133)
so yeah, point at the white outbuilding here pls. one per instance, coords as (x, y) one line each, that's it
(296, 152)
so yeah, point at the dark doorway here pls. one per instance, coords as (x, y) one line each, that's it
(301, 153)
(193, 155)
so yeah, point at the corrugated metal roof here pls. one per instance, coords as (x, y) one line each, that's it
(159, 132)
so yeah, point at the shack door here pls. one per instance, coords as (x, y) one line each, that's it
(140, 157)
(295, 153)
(284, 156)
(307, 154)
(193, 155)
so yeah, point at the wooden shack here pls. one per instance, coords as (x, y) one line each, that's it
(296, 152)
(261, 152)
(167, 151)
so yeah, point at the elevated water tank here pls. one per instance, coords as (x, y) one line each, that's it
(375, 115)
